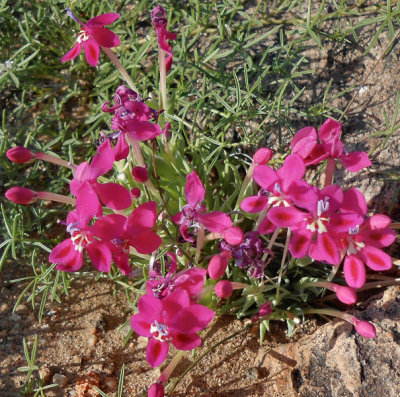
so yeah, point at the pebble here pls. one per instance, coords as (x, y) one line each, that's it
(15, 317)
(60, 380)
(253, 373)
(4, 307)
(45, 374)
(22, 309)
(111, 383)
(142, 341)
(92, 340)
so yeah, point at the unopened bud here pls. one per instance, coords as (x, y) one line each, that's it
(140, 174)
(262, 156)
(135, 192)
(21, 195)
(20, 155)
(223, 289)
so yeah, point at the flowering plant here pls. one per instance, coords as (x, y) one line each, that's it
(156, 219)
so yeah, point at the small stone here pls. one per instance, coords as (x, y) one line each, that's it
(60, 380)
(110, 383)
(45, 374)
(4, 307)
(92, 340)
(142, 341)
(15, 317)
(22, 309)
(100, 323)
(253, 373)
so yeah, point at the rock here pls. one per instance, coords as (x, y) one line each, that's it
(22, 309)
(15, 317)
(335, 361)
(60, 380)
(92, 340)
(45, 374)
(253, 373)
(111, 383)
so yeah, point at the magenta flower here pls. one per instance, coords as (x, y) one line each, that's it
(69, 254)
(158, 16)
(174, 319)
(88, 191)
(305, 143)
(92, 36)
(135, 231)
(193, 213)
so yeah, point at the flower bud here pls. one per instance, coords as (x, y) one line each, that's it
(140, 174)
(346, 295)
(223, 289)
(233, 235)
(21, 195)
(135, 192)
(265, 309)
(156, 390)
(20, 155)
(365, 328)
(218, 265)
(262, 156)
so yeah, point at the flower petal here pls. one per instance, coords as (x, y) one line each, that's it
(304, 141)
(324, 248)
(73, 53)
(300, 243)
(103, 19)
(378, 237)
(146, 242)
(215, 221)
(156, 352)
(185, 341)
(142, 130)
(92, 51)
(114, 195)
(355, 161)
(285, 216)
(194, 189)
(354, 201)
(100, 255)
(293, 169)
(104, 37)
(354, 271)
(254, 204)
(265, 176)
(87, 203)
(66, 256)
(144, 216)
(103, 161)
(141, 325)
(376, 259)
(341, 223)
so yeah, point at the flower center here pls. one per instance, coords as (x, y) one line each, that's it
(80, 240)
(82, 36)
(159, 331)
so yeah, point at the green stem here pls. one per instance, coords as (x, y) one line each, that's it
(163, 80)
(209, 350)
(120, 68)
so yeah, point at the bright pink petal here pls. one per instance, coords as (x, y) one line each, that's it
(218, 265)
(304, 141)
(330, 131)
(87, 203)
(254, 204)
(324, 248)
(355, 161)
(191, 280)
(376, 259)
(121, 260)
(354, 201)
(103, 161)
(103, 19)
(300, 243)
(141, 325)
(121, 149)
(317, 155)
(285, 216)
(354, 271)
(266, 226)
(150, 307)
(114, 195)
(194, 189)
(73, 53)
(109, 227)
(104, 37)
(303, 194)
(66, 256)
(266, 177)
(293, 169)
(100, 255)
(378, 237)
(346, 295)
(142, 130)
(335, 195)
(215, 221)
(341, 223)
(156, 352)
(174, 303)
(193, 318)
(92, 51)
(365, 329)
(146, 242)
(378, 221)
(186, 341)
(143, 217)
(233, 235)
(177, 218)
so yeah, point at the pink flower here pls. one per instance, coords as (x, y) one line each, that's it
(156, 390)
(21, 195)
(159, 19)
(92, 36)
(20, 155)
(305, 144)
(174, 319)
(140, 174)
(193, 213)
(88, 191)
(68, 255)
(135, 231)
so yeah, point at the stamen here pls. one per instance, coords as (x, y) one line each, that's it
(354, 230)
(159, 331)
